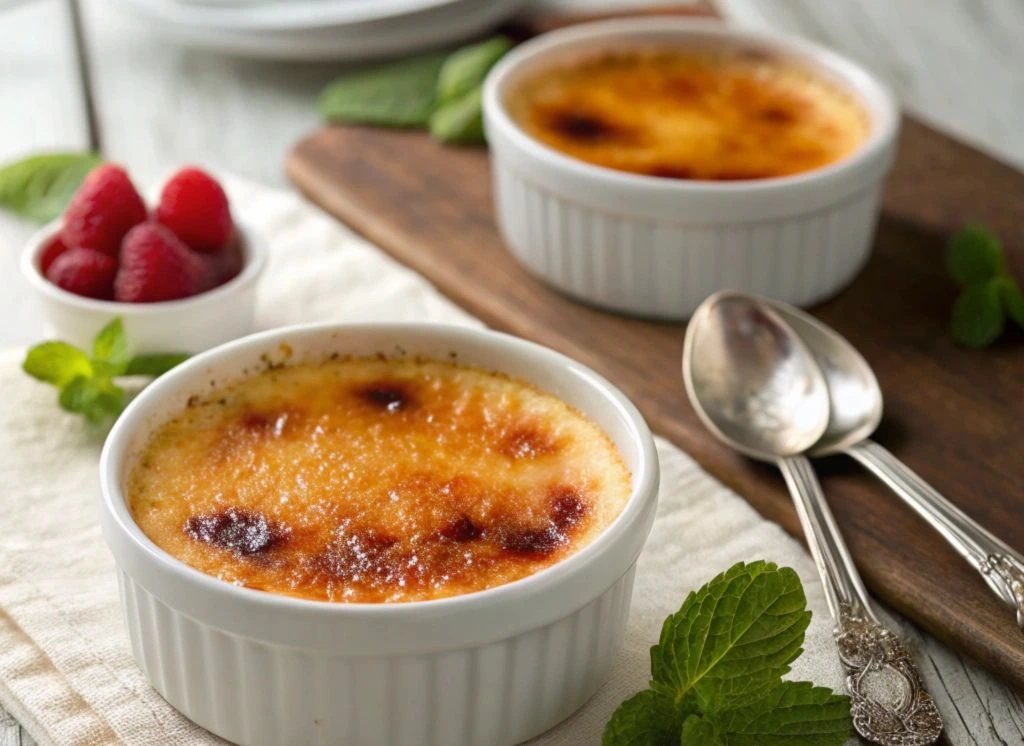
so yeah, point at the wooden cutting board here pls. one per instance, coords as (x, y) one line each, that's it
(954, 415)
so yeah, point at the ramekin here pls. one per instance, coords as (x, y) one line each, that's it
(188, 325)
(657, 247)
(494, 667)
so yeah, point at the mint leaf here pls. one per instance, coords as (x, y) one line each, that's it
(978, 316)
(460, 121)
(645, 719)
(974, 255)
(1012, 299)
(700, 732)
(792, 713)
(732, 637)
(399, 94)
(96, 398)
(56, 362)
(154, 365)
(40, 186)
(467, 67)
(111, 347)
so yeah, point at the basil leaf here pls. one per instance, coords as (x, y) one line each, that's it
(645, 719)
(111, 348)
(1012, 299)
(467, 67)
(978, 316)
(460, 121)
(399, 94)
(39, 187)
(792, 713)
(974, 255)
(56, 362)
(154, 365)
(733, 637)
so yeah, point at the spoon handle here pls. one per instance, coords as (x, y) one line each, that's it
(888, 701)
(843, 587)
(1000, 566)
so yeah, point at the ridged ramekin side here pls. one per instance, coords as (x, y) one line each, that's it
(502, 692)
(665, 269)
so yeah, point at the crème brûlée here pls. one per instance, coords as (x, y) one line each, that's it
(713, 115)
(376, 480)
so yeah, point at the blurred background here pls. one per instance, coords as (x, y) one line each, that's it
(155, 103)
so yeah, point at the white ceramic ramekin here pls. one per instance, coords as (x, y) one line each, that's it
(494, 667)
(657, 247)
(187, 325)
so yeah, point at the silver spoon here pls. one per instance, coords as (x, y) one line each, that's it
(856, 404)
(757, 387)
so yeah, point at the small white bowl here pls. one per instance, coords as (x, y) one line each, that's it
(657, 247)
(188, 325)
(494, 667)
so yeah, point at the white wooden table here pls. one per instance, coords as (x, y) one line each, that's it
(154, 107)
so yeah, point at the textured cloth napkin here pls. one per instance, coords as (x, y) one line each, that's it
(66, 671)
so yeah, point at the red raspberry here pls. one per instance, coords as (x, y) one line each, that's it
(224, 264)
(156, 266)
(51, 251)
(193, 205)
(102, 210)
(84, 271)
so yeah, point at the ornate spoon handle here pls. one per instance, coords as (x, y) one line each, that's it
(888, 701)
(1000, 566)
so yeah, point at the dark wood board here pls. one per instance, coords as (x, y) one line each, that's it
(953, 415)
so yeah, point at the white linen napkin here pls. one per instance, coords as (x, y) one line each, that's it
(66, 671)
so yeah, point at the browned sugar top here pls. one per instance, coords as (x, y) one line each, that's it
(719, 116)
(376, 480)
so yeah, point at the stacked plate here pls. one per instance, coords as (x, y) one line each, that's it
(321, 29)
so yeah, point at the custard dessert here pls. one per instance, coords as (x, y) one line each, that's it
(376, 480)
(710, 115)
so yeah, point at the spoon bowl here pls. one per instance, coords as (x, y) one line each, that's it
(752, 381)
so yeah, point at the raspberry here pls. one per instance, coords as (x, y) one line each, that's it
(193, 205)
(156, 266)
(223, 265)
(84, 271)
(102, 210)
(53, 249)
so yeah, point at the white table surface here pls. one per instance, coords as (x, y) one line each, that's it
(960, 65)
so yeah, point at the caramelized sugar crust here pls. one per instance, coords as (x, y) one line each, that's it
(718, 116)
(376, 480)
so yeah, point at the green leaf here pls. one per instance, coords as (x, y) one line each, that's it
(40, 186)
(732, 638)
(96, 398)
(154, 365)
(1012, 299)
(460, 121)
(467, 67)
(978, 316)
(111, 347)
(700, 732)
(974, 255)
(56, 362)
(399, 94)
(645, 719)
(792, 713)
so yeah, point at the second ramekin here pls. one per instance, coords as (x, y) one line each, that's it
(657, 247)
(483, 669)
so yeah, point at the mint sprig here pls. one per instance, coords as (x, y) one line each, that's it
(975, 260)
(717, 671)
(39, 187)
(86, 382)
(440, 92)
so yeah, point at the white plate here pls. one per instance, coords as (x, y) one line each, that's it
(272, 16)
(455, 21)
